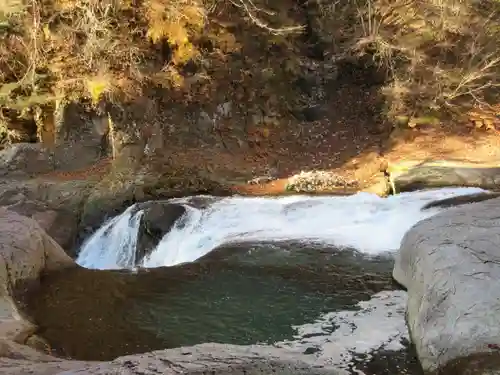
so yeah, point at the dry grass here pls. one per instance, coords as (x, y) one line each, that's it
(440, 55)
(99, 49)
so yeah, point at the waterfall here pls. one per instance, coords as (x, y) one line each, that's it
(113, 246)
(362, 221)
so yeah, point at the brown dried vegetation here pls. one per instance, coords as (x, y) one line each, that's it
(440, 56)
(436, 54)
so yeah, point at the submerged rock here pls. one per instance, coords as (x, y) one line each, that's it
(450, 264)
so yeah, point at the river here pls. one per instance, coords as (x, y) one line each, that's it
(311, 275)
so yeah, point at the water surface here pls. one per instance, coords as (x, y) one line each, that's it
(243, 294)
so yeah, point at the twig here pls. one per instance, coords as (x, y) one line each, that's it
(247, 4)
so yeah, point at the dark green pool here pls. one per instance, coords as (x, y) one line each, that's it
(243, 294)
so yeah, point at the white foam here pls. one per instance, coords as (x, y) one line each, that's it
(363, 221)
(379, 324)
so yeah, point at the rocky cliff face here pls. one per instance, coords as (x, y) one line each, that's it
(33, 185)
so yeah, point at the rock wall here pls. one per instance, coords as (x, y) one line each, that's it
(33, 183)
(450, 264)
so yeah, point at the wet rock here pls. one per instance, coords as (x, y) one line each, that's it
(461, 200)
(157, 220)
(451, 266)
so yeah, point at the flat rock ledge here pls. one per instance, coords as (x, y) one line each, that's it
(450, 265)
(204, 359)
(208, 359)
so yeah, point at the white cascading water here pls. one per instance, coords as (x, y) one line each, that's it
(113, 246)
(363, 221)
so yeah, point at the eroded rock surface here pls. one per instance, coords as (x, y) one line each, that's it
(211, 359)
(450, 264)
(202, 359)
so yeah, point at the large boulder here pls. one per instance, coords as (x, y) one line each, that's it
(450, 264)
(157, 219)
(55, 205)
(26, 251)
(60, 225)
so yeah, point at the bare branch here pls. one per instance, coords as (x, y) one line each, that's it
(251, 10)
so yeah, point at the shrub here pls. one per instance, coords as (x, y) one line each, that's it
(95, 49)
(439, 55)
